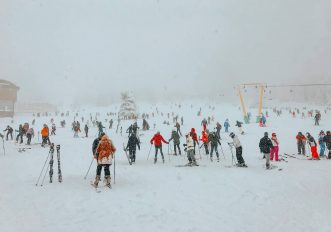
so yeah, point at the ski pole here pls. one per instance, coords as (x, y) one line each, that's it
(168, 152)
(42, 183)
(3, 147)
(114, 170)
(43, 168)
(149, 152)
(89, 169)
(222, 151)
(199, 153)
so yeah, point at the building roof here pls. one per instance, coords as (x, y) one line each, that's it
(8, 84)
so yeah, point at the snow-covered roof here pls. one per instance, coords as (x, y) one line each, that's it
(8, 84)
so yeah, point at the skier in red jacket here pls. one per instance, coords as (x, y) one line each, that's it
(157, 140)
(194, 136)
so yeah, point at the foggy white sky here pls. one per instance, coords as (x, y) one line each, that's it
(75, 50)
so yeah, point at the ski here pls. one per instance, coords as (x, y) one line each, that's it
(97, 190)
(272, 167)
(186, 165)
(51, 162)
(126, 153)
(23, 149)
(59, 172)
(292, 156)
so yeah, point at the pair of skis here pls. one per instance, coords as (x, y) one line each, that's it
(50, 157)
(51, 162)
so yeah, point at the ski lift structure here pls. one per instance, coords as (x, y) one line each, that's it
(261, 88)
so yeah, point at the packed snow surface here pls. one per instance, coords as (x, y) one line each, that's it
(163, 197)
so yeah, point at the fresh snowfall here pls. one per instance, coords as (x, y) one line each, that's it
(292, 194)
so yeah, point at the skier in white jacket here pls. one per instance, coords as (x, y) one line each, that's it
(239, 150)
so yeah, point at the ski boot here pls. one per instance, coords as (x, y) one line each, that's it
(155, 160)
(267, 166)
(211, 158)
(194, 163)
(108, 181)
(96, 182)
(218, 159)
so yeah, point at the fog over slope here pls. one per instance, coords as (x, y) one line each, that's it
(86, 51)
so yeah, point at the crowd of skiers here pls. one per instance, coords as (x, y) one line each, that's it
(103, 148)
(324, 141)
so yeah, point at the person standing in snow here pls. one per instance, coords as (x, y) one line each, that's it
(239, 150)
(313, 146)
(214, 142)
(218, 130)
(194, 136)
(29, 135)
(9, 132)
(157, 141)
(317, 118)
(321, 142)
(275, 150)
(100, 128)
(132, 145)
(20, 134)
(239, 125)
(178, 128)
(45, 136)
(175, 136)
(204, 124)
(327, 140)
(53, 129)
(104, 154)
(265, 148)
(204, 138)
(301, 142)
(226, 125)
(111, 122)
(190, 150)
(86, 130)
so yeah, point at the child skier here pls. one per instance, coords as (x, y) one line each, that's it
(226, 125)
(313, 146)
(274, 151)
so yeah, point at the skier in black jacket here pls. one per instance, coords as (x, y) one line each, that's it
(132, 147)
(327, 140)
(9, 132)
(214, 141)
(96, 143)
(265, 147)
(175, 136)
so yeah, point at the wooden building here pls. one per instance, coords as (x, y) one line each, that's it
(8, 97)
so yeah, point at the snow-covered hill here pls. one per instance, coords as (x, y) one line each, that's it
(163, 197)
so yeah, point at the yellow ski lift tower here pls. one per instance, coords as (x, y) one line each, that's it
(261, 87)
